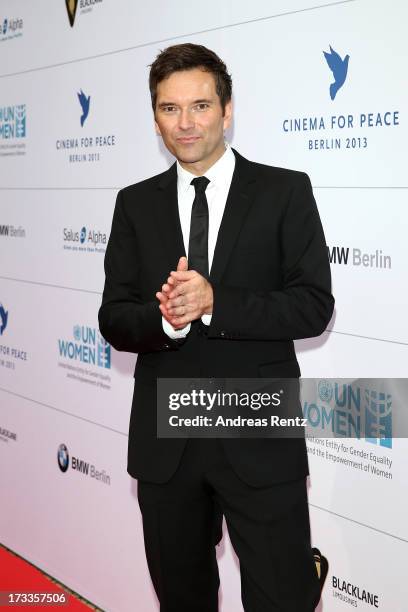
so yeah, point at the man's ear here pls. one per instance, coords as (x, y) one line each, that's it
(227, 115)
(156, 125)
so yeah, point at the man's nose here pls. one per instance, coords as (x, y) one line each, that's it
(185, 119)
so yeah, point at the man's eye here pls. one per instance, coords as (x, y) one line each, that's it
(169, 109)
(202, 106)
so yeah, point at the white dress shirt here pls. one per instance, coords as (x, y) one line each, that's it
(220, 176)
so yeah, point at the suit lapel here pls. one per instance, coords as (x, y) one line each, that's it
(236, 208)
(167, 216)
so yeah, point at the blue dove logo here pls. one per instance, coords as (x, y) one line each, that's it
(4, 26)
(82, 236)
(339, 69)
(84, 102)
(3, 319)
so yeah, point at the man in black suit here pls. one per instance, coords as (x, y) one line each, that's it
(213, 268)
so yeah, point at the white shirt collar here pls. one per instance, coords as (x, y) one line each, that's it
(222, 167)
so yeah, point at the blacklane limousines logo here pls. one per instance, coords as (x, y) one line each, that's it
(85, 6)
(353, 594)
(344, 128)
(84, 146)
(84, 468)
(87, 346)
(71, 10)
(351, 411)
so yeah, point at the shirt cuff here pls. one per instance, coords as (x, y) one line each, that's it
(206, 319)
(175, 334)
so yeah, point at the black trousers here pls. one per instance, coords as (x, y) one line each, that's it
(268, 527)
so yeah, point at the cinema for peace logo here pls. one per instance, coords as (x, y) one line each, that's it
(85, 102)
(83, 145)
(342, 128)
(3, 319)
(10, 356)
(339, 68)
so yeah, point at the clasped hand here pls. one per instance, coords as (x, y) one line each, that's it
(185, 297)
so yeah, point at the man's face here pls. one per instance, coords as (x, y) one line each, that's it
(190, 120)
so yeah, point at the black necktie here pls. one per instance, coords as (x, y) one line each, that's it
(198, 242)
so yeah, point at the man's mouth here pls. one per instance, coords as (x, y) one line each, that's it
(188, 139)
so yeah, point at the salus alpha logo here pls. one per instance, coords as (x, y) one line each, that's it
(11, 231)
(88, 240)
(84, 146)
(87, 346)
(80, 465)
(351, 411)
(339, 69)
(353, 256)
(11, 28)
(340, 129)
(85, 6)
(10, 356)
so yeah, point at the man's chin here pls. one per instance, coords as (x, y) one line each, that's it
(184, 159)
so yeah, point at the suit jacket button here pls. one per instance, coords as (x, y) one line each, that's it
(222, 334)
(166, 346)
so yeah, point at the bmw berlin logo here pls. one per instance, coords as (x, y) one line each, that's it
(63, 458)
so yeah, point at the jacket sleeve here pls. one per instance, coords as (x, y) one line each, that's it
(125, 321)
(303, 307)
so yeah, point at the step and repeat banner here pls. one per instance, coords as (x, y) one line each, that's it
(318, 87)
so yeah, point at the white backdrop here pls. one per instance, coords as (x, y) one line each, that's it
(58, 182)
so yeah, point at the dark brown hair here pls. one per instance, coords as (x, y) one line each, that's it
(186, 57)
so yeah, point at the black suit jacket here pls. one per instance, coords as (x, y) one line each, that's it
(271, 281)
